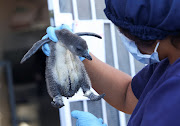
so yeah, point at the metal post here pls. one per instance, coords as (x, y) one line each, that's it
(116, 65)
(75, 10)
(85, 106)
(10, 91)
(104, 111)
(65, 118)
(93, 9)
(132, 65)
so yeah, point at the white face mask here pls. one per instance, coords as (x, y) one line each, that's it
(143, 58)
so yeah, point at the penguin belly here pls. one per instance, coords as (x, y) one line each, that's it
(66, 72)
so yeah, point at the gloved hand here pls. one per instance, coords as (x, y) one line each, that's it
(86, 119)
(51, 35)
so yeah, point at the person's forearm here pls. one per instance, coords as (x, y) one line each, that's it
(108, 80)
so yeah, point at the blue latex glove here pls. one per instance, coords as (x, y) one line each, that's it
(86, 119)
(51, 35)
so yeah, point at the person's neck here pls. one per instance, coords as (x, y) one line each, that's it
(174, 56)
(167, 50)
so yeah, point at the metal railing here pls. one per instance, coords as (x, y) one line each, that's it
(8, 70)
(65, 117)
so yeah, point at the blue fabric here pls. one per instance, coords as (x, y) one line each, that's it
(157, 87)
(146, 19)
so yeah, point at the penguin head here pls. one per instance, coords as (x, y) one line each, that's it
(73, 43)
(80, 50)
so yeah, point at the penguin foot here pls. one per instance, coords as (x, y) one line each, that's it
(57, 102)
(93, 97)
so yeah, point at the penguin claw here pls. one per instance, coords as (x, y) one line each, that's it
(57, 104)
(94, 97)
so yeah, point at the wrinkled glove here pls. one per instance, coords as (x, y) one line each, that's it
(86, 119)
(51, 35)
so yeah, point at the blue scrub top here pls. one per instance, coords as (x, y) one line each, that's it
(157, 87)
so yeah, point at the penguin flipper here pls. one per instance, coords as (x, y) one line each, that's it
(88, 34)
(34, 49)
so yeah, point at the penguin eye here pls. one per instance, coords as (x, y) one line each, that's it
(79, 49)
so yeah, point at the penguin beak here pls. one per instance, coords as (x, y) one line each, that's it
(87, 56)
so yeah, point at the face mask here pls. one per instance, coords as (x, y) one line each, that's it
(143, 58)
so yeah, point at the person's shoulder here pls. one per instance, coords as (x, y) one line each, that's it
(172, 76)
(150, 69)
(171, 81)
(141, 79)
(155, 66)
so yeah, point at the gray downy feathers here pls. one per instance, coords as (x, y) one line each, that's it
(65, 73)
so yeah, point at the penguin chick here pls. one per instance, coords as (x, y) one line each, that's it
(65, 73)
